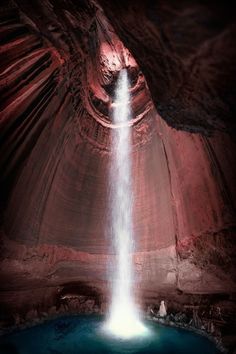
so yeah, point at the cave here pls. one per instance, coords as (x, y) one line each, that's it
(59, 69)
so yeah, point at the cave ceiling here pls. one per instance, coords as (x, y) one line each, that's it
(187, 52)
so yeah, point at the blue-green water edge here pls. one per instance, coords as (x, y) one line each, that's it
(84, 335)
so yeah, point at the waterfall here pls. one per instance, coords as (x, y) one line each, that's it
(123, 320)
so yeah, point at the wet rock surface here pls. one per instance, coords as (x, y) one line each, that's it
(207, 315)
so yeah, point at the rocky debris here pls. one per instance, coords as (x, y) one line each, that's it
(206, 320)
(204, 327)
(71, 304)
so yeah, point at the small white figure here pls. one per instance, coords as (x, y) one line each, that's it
(162, 309)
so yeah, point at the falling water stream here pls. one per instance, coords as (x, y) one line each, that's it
(126, 332)
(123, 320)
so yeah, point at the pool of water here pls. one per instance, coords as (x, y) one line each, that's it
(84, 335)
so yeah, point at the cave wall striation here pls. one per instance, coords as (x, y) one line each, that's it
(58, 69)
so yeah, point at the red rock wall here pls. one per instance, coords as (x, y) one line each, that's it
(58, 70)
(186, 51)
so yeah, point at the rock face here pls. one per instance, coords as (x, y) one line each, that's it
(58, 69)
(186, 51)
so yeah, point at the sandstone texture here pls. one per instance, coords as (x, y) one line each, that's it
(58, 69)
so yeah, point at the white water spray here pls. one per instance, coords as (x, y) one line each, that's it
(123, 320)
